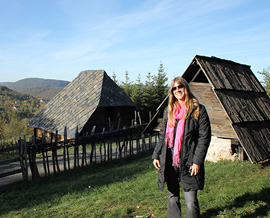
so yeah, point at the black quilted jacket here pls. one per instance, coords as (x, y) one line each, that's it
(196, 140)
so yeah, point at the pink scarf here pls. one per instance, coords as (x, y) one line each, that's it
(178, 113)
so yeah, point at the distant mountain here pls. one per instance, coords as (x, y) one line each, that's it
(25, 84)
(37, 87)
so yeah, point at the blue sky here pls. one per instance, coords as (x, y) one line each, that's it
(57, 39)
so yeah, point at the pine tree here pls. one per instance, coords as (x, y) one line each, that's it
(148, 98)
(160, 84)
(114, 78)
(155, 91)
(127, 85)
(137, 92)
(266, 80)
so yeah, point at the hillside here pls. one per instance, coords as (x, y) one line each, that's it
(44, 93)
(24, 105)
(14, 97)
(29, 83)
(16, 111)
(39, 88)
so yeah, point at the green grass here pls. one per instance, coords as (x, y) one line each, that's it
(128, 188)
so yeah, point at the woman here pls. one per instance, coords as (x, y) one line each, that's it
(179, 155)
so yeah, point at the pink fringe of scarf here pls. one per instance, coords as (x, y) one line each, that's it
(178, 113)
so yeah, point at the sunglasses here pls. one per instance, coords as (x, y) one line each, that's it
(177, 87)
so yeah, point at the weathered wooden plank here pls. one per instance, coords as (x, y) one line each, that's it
(225, 74)
(4, 162)
(10, 173)
(13, 148)
(255, 139)
(24, 163)
(220, 123)
(245, 106)
(222, 131)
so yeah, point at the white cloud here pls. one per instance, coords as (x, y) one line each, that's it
(134, 35)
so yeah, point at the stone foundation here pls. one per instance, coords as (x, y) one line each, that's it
(220, 149)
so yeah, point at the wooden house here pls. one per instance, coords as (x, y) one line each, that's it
(237, 104)
(91, 99)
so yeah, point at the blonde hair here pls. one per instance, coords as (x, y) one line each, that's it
(190, 101)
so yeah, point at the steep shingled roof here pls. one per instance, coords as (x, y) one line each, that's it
(76, 102)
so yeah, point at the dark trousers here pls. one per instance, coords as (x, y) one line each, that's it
(191, 200)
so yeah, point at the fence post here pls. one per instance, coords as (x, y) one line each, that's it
(25, 160)
(83, 152)
(150, 141)
(104, 145)
(110, 140)
(21, 157)
(126, 145)
(64, 148)
(43, 153)
(135, 118)
(32, 160)
(75, 148)
(68, 144)
(110, 124)
(93, 145)
(131, 142)
(120, 149)
(53, 156)
(55, 150)
(119, 123)
(47, 157)
(100, 151)
(143, 142)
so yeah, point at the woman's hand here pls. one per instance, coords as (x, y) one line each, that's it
(156, 164)
(194, 169)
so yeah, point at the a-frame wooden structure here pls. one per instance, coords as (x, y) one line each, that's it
(237, 104)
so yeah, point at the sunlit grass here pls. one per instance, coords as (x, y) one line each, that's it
(128, 188)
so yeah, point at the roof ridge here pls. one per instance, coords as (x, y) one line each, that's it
(221, 60)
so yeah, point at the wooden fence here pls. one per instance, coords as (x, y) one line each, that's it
(47, 158)
(18, 149)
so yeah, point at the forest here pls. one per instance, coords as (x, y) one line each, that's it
(149, 95)
(16, 111)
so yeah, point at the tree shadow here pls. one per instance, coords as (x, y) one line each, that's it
(261, 211)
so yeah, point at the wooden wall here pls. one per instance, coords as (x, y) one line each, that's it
(48, 136)
(100, 118)
(220, 122)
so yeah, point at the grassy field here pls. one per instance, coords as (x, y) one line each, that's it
(128, 188)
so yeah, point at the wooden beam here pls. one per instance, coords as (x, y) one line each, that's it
(197, 73)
